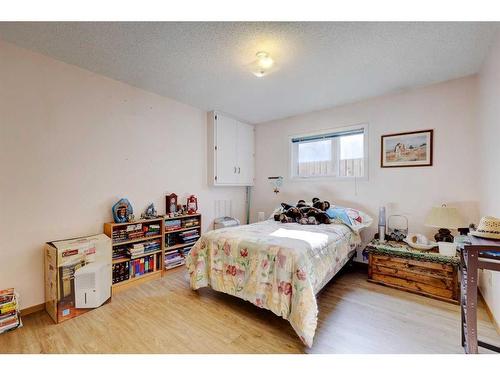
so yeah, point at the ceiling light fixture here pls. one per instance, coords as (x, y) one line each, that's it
(263, 63)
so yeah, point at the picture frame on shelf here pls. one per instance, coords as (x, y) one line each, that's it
(171, 204)
(409, 149)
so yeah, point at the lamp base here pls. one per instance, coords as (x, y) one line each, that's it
(443, 235)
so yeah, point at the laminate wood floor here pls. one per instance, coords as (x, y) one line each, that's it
(165, 316)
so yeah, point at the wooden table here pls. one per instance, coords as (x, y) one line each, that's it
(427, 273)
(480, 254)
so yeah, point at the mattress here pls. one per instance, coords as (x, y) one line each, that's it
(277, 266)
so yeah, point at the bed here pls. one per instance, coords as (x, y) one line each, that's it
(276, 266)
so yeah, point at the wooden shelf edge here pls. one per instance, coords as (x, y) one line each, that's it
(181, 217)
(179, 246)
(181, 230)
(116, 261)
(140, 221)
(136, 280)
(135, 240)
(177, 266)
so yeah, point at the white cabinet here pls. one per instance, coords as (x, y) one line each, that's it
(231, 149)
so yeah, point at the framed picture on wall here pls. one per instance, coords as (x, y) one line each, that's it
(411, 149)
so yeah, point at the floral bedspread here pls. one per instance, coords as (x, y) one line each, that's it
(276, 266)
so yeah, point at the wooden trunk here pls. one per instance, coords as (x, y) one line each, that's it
(426, 278)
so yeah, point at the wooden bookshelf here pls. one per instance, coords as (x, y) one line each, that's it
(134, 279)
(173, 238)
(160, 254)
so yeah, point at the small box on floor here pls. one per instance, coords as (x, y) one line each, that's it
(77, 275)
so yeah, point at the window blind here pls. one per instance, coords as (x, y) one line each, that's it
(320, 137)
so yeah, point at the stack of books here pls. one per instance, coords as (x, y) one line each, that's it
(119, 235)
(134, 231)
(151, 230)
(121, 272)
(171, 225)
(191, 222)
(142, 248)
(142, 265)
(174, 259)
(10, 317)
(189, 236)
(120, 253)
(185, 251)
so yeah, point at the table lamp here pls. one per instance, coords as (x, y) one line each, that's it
(444, 218)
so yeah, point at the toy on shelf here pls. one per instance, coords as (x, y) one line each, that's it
(150, 212)
(122, 211)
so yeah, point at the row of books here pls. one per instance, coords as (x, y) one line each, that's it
(121, 272)
(142, 266)
(10, 317)
(134, 231)
(133, 268)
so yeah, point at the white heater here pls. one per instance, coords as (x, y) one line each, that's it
(92, 285)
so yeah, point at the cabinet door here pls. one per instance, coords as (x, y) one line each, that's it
(226, 154)
(246, 150)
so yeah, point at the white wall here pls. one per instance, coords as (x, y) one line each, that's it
(449, 108)
(71, 144)
(489, 142)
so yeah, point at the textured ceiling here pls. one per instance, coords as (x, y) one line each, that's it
(319, 65)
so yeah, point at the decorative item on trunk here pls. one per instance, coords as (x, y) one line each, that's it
(192, 204)
(381, 224)
(397, 227)
(171, 204)
(122, 211)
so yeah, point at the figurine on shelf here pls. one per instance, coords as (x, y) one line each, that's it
(171, 204)
(192, 205)
(122, 211)
(150, 212)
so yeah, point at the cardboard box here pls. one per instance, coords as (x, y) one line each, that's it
(77, 275)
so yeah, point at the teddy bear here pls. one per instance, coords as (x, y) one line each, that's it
(304, 214)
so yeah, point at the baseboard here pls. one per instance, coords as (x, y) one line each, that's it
(488, 311)
(32, 309)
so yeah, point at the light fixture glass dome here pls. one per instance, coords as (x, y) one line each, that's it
(262, 64)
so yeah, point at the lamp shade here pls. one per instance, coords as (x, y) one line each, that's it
(444, 217)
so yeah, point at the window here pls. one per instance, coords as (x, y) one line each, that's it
(336, 153)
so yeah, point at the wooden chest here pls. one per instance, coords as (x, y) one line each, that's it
(426, 277)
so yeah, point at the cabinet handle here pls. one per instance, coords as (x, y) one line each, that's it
(239, 170)
(234, 170)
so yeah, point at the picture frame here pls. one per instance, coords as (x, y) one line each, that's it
(171, 204)
(409, 149)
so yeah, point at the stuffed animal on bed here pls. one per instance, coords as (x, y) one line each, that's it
(304, 214)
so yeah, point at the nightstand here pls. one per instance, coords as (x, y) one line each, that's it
(397, 265)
